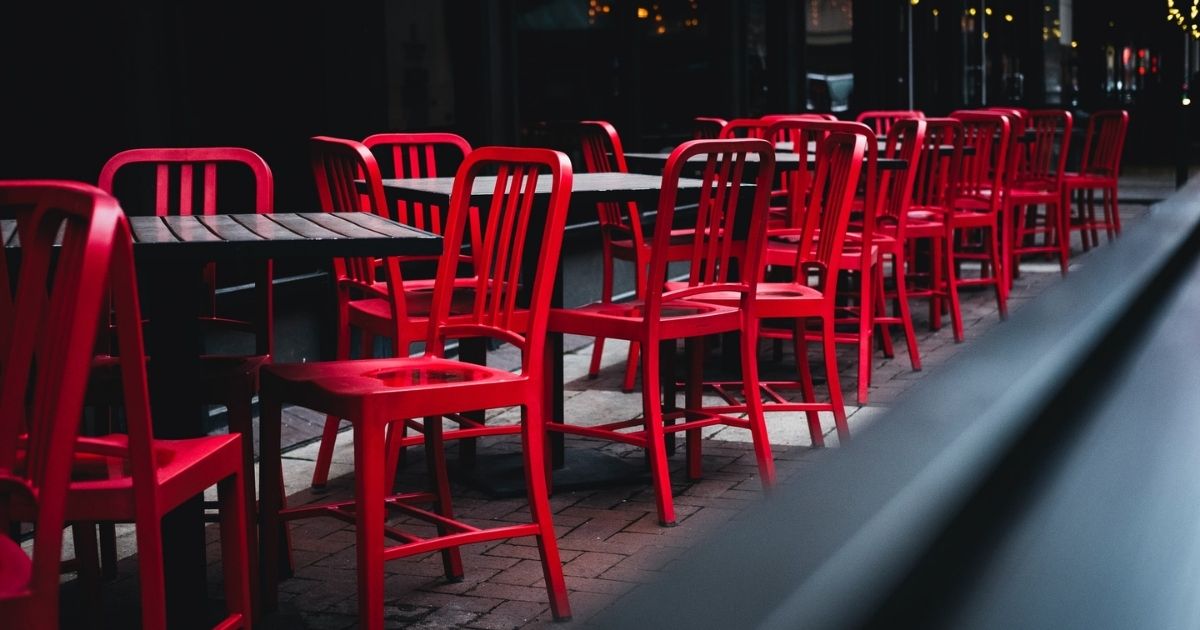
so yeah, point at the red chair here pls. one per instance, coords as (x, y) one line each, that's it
(861, 255)
(707, 127)
(668, 315)
(1037, 180)
(362, 298)
(137, 478)
(744, 128)
(905, 140)
(977, 208)
(1099, 170)
(369, 392)
(41, 404)
(881, 120)
(181, 177)
(811, 292)
(938, 164)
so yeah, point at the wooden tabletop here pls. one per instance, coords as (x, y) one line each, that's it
(586, 188)
(268, 236)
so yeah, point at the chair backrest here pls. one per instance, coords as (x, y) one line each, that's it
(839, 165)
(881, 120)
(603, 153)
(728, 232)
(938, 163)
(809, 115)
(983, 170)
(180, 168)
(805, 131)
(707, 127)
(415, 155)
(516, 216)
(337, 163)
(905, 140)
(744, 128)
(1103, 143)
(46, 368)
(1045, 156)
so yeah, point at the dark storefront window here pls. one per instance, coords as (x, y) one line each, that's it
(829, 37)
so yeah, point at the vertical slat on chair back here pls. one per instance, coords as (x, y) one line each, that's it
(336, 164)
(905, 140)
(983, 170)
(744, 128)
(177, 171)
(511, 211)
(1104, 142)
(1046, 157)
(46, 366)
(416, 155)
(937, 170)
(718, 244)
(839, 165)
(880, 121)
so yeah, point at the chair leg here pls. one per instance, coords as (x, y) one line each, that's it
(235, 552)
(998, 271)
(108, 550)
(831, 378)
(329, 433)
(952, 286)
(883, 330)
(910, 334)
(435, 463)
(865, 328)
(241, 422)
(533, 434)
(693, 399)
(1062, 229)
(655, 443)
(804, 371)
(631, 363)
(150, 568)
(369, 518)
(754, 406)
(937, 247)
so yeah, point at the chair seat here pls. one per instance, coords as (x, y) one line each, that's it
(375, 314)
(783, 253)
(678, 319)
(16, 571)
(681, 240)
(417, 386)
(772, 300)
(102, 486)
(1085, 180)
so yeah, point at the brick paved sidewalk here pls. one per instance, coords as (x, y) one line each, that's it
(609, 537)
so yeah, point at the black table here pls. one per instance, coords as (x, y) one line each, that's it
(587, 467)
(171, 254)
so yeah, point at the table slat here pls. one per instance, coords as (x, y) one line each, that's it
(188, 229)
(265, 226)
(305, 228)
(334, 223)
(227, 228)
(383, 226)
(151, 230)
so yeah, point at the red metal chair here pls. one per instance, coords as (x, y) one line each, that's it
(136, 478)
(977, 208)
(41, 403)
(707, 127)
(1099, 170)
(860, 255)
(181, 178)
(1037, 180)
(362, 298)
(881, 120)
(938, 164)
(662, 315)
(370, 392)
(811, 292)
(905, 140)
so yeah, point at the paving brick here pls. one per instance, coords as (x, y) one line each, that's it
(509, 615)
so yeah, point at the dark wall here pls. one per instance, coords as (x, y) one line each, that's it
(84, 82)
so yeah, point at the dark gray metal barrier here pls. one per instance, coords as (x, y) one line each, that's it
(1047, 478)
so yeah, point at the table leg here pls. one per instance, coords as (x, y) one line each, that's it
(173, 297)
